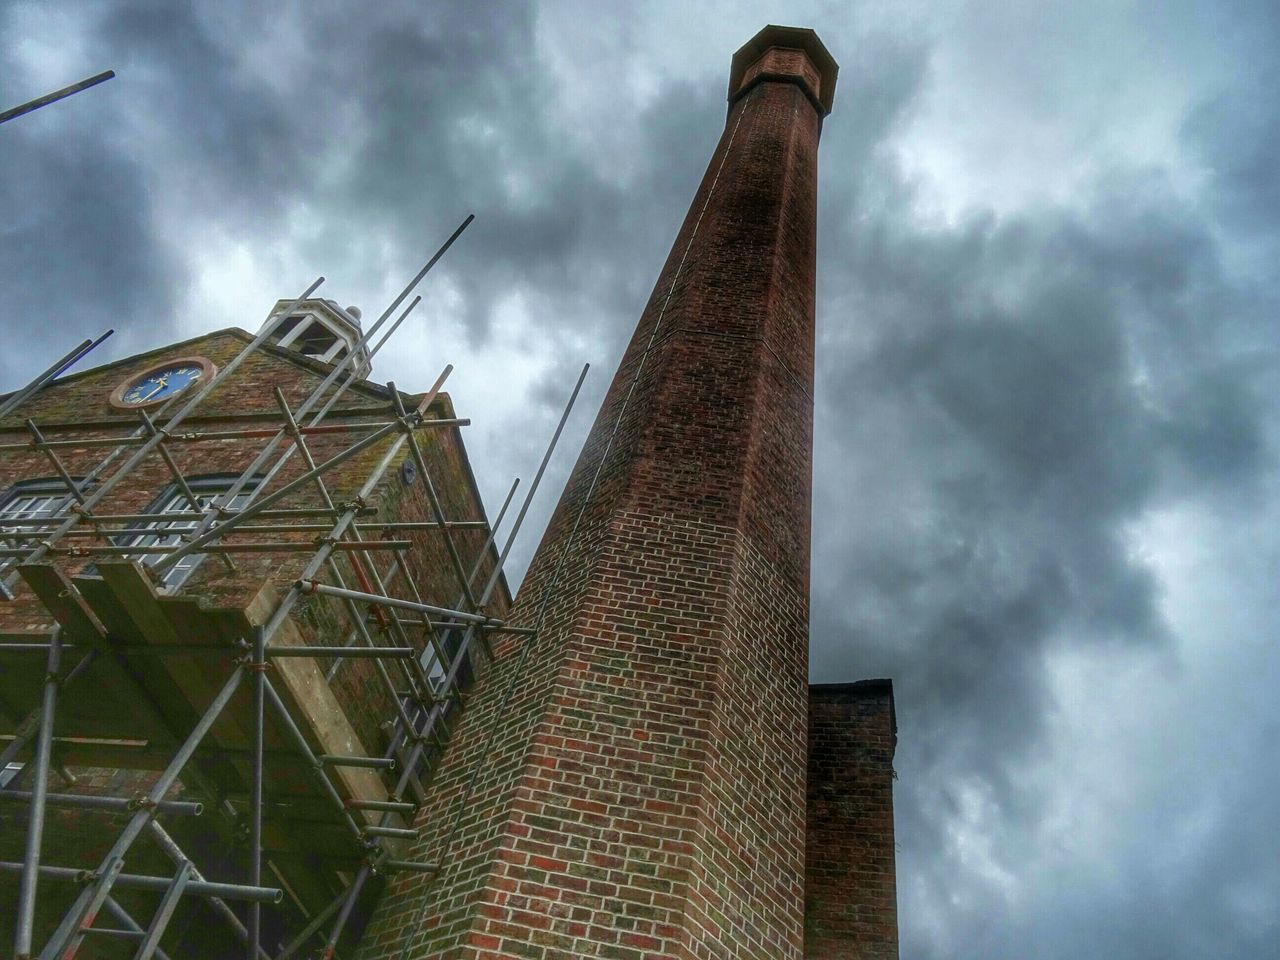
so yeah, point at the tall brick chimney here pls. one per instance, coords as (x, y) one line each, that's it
(631, 783)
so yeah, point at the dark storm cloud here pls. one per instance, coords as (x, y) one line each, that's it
(83, 241)
(77, 249)
(235, 141)
(454, 134)
(1001, 399)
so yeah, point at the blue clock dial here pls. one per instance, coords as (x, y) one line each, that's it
(162, 384)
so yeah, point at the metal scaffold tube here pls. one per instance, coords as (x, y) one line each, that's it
(312, 586)
(64, 363)
(259, 667)
(39, 794)
(94, 802)
(171, 849)
(212, 436)
(133, 881)
(56, 95)
(130, 924)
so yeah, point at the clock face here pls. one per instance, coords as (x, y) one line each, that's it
(162, 382)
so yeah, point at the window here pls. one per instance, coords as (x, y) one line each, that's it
(27, 502)
(433, 668)
(169, 533)
(287, 324)
(311, 337)
(316, 341)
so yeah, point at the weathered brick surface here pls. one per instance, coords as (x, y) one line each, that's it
(630, 784)
(851, 908)
(77, 407)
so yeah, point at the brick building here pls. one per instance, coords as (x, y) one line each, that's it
(118, 723)
(627, 761)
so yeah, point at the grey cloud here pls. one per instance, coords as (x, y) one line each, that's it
(236, 144)
(1020, 391)
(77, 246)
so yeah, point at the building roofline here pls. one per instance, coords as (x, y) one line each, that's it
(859, 690)
(315, 366)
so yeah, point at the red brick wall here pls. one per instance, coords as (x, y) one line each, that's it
(851, 910)
(631, 783)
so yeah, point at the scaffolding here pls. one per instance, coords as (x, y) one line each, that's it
(244, 740)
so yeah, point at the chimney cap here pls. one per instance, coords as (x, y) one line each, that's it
(795, 38)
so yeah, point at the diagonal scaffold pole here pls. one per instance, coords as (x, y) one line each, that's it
(47, 376)
(56, 95)
(312, 927)
(344, 914)
(130, 924)
(164, 912)
(174, 852)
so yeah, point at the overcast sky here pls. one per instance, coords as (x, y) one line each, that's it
(1046, 478)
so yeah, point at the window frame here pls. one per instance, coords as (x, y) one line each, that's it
(173, 499)
(299, 331)
(40, 486)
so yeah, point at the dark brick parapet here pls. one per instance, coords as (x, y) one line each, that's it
(850, 874)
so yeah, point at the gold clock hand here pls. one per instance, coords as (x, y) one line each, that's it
(160, 385)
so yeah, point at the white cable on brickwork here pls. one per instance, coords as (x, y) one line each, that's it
(549, 591)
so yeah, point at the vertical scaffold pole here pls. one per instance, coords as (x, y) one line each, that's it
(259, 667)
(39, 794)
